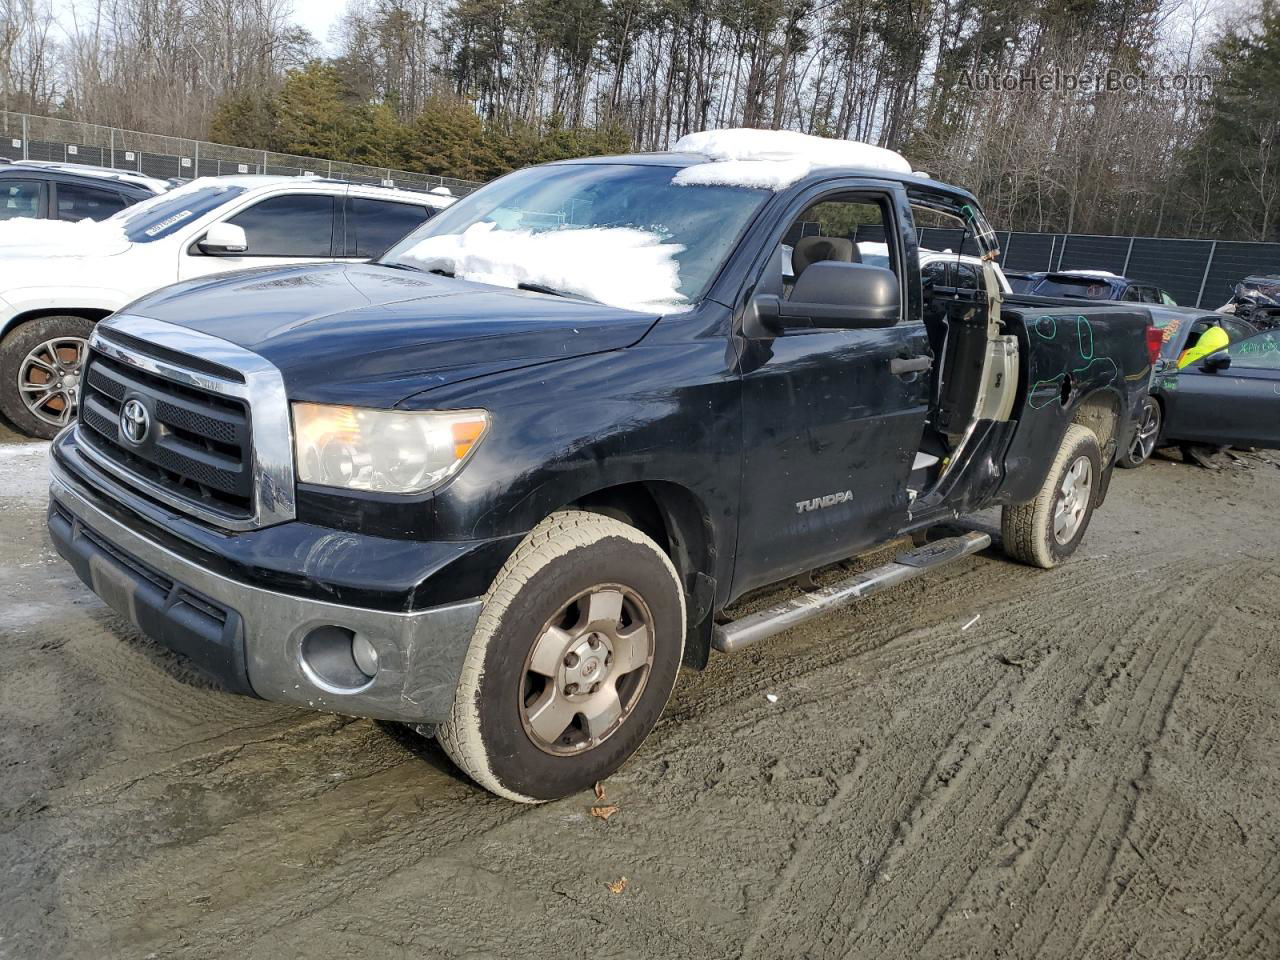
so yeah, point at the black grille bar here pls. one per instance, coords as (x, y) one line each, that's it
(198, 447)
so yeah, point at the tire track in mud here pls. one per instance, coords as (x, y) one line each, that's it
(1152, 878)
(1070, 777)
(969, 783)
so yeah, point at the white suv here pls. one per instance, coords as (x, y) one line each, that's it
(57, 279)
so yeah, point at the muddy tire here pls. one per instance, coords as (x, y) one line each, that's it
(40, 373)
(1145, 438)
(572, 661)
(1047, 530)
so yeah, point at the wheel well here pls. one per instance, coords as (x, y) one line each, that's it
(676, 520)
(89, 313)
(1099, 412)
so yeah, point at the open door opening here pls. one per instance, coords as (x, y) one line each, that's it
(975, 377)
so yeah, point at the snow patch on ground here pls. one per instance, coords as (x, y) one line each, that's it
(618, 266)
(24, 471)
(774, 159)
(61, 238)
(14, 451)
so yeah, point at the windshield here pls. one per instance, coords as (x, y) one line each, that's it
(616, 233)
(160, 216)
(1082, 288)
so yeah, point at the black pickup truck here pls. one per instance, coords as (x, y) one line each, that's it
(507, 512)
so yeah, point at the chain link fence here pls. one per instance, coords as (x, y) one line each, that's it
(1196, 272)
(27, 137)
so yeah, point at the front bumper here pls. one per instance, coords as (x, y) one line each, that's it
(251, 638)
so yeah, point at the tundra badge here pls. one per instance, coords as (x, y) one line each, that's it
(821, 503)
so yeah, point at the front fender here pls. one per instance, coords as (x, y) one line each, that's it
(18, 303)
(564, 430)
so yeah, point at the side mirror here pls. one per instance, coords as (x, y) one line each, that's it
(829, 294)
(224, 239)
(1215, 362)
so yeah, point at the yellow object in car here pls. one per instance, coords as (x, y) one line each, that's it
(1211, 341)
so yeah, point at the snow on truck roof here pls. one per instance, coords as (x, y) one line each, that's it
(775, 159)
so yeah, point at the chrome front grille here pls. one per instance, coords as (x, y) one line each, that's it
(199, 445)
(216, 442)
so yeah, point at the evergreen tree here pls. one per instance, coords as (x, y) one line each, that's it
(450, 139)
(1239, 149)
(245, 119)
(319, 115)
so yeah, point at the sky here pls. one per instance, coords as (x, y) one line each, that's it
(319, 16)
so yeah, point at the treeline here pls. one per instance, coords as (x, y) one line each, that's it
(318, 112)
(974, 91)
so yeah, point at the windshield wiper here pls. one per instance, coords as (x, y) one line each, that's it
(400, 266)
(543, 288)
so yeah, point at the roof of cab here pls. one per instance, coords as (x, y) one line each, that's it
(678, 161)
(88, 171)
(251, 181)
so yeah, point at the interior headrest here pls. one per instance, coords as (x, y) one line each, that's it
(812, 249)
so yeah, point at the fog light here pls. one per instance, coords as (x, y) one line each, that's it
(365, 654)
(339, 659)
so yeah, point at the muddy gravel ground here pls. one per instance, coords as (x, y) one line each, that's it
(1092, 769)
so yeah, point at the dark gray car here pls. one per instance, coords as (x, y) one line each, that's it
(1230, 397)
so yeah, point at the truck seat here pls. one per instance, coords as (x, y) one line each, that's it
(812, 249)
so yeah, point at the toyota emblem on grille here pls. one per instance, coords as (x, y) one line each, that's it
(135, 422)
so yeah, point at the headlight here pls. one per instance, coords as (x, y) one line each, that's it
(386, 451)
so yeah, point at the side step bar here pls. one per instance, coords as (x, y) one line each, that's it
(733, 636)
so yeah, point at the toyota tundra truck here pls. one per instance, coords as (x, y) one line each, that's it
(502, 483)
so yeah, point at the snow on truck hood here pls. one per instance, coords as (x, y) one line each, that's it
(775, 159)
(61, 238)
(580, 261)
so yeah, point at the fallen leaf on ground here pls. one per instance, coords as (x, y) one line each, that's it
(599, 791)
(605, 812)
(617, 886)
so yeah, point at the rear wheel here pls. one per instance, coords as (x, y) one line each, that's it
(1145, 437)
(1047, 530)
(572, 661)
(40, 364)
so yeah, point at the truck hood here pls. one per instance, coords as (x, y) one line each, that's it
(43, 239)
(375, 335)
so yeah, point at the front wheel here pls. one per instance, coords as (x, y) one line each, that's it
(40, 365)
(1048, 529)
(1145, 437)
(572, 661)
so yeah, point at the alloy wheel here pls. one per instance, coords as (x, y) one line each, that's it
(1144, 439)
(49, 379)
(587, 669)
(1073, 500)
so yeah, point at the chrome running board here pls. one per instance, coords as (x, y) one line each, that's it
(729, 637)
